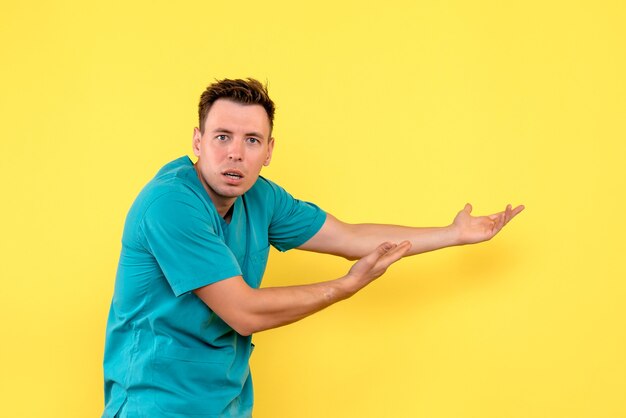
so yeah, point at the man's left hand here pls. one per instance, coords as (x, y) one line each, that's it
(473, 229)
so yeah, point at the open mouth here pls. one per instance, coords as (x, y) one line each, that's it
(233, 174)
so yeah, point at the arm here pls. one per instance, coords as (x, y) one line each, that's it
(248, 310)
(353, 241)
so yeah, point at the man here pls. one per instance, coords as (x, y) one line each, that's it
(194, 249)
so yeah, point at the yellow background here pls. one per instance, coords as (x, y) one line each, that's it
(388, 111)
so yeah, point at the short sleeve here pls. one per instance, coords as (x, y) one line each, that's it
(180, 234)
(293, 221)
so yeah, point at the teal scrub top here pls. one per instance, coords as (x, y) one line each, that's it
(167, 354)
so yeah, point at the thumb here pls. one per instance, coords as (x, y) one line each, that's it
(468, 208)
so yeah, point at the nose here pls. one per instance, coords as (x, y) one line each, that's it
(236, 151)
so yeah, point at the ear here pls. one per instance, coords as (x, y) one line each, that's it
(270, 149)
(195, 144)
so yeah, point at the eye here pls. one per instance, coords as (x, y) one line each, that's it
(221, 137)
(253, 140)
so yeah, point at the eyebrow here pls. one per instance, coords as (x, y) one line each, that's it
(228, 131)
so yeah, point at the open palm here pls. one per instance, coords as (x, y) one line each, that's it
(473, 229)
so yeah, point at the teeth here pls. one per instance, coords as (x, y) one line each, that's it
(237, 176)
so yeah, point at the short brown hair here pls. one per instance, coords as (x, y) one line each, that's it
(249, 91)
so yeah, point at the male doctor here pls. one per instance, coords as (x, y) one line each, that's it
(194, 249)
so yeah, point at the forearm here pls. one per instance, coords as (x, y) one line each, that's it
(249, 310)
(274, 307)
(354, 241)
(365, 237)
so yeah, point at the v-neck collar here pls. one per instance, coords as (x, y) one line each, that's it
(236, 213)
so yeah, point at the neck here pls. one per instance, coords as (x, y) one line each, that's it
(224, 205)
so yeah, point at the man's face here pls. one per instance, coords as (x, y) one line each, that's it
(235, 145)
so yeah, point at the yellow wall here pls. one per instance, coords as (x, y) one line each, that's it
(389, 111)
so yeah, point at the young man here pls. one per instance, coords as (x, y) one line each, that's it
(194, 249)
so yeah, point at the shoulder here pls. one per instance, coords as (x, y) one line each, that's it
(173, 192)
(262, 190)
(267, 195)
(263, 185)
(169, 192)
(266, 189)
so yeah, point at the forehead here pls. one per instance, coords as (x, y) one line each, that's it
(237, 117)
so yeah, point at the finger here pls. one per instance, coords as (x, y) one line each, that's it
(511, 213)
(495, 216)
(505, 215)
(500, 222)
(492, 228)
(517, 210)
(400, 249)
(394, 254)
(468, 208)
(508, 212)
(380, 251)
(370, 260)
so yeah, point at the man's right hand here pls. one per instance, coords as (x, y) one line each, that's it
(375, 264)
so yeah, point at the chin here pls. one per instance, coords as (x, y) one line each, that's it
(234, 191)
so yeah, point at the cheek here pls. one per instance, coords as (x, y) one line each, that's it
(260, 163)
(212, 156)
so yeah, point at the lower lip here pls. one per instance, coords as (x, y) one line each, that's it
(233, 180)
